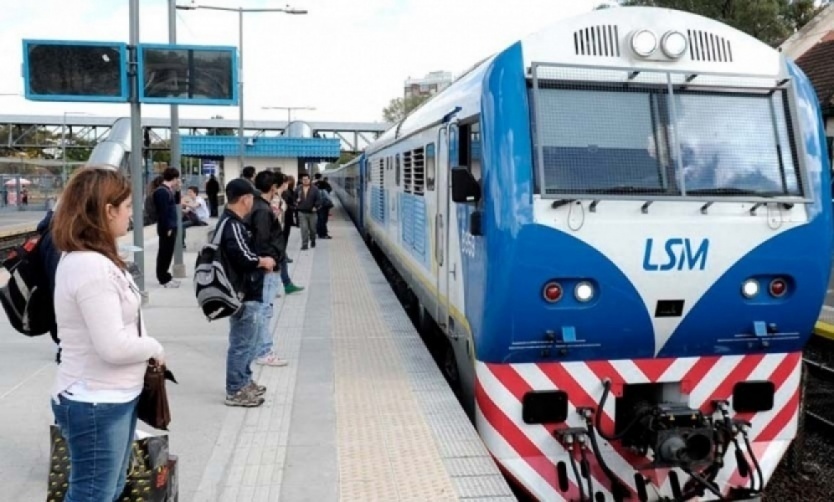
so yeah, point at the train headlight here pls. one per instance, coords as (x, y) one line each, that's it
(673, 44)
(750, 288)
(644, 43)
(584, 292)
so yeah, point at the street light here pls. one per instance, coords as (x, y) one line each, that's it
(241, 11)
(289, 110)
(64, 145)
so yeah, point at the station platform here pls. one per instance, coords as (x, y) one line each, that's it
(360, 413)
(825, 324)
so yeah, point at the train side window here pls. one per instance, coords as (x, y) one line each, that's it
(475, 150)
(430, 167)
(469, 150)
(397, 169)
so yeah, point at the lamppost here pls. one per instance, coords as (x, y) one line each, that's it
(289, 110)
(64, 146)
(241, 11)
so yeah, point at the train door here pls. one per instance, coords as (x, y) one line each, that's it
(437, 177)
(395, 233)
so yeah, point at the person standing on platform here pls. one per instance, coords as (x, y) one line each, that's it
(325, 205)
(269, 241)
(246, 270)
(212, 191)
(307, 203)
(166, 225)
(105, 348)
(290, 213)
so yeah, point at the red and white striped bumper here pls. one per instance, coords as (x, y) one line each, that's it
(530, 453)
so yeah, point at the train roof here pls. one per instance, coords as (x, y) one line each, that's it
(586, 40)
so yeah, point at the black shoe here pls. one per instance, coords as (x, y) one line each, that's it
(327, 237)
(312, 244)
(304, 247)
(289, 260)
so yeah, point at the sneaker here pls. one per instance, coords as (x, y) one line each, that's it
(244, 398)
(255, 389)
(271, 360)
(171, 284)
(292, 288)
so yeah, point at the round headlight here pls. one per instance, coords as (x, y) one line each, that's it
(584, 291)
(644, 43)
(673, 44)
(750, 288)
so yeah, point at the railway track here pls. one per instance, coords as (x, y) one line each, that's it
(9, 242)
(819, 402)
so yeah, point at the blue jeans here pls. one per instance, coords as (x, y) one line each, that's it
(264, 340)
(99, 436)
(244, 328)
(285, 273)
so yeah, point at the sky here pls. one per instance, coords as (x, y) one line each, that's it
(345, 58)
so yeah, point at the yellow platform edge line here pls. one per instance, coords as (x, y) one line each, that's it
(21, 230)
(824, 330)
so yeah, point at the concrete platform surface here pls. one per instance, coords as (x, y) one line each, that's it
(361, 412)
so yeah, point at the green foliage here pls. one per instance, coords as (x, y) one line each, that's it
(346, 157)
(771, 21)
(399, 108)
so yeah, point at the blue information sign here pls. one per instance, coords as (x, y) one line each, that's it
(188, 74)
(69, 70)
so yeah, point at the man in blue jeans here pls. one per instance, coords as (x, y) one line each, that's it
(246, 271)
(268, 240)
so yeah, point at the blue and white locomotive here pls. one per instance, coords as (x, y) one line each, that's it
(622, 223)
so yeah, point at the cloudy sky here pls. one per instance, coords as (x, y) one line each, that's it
(346, 58)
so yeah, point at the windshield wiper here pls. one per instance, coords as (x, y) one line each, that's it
(731, 191)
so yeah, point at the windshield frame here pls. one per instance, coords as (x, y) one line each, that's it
(672, 83)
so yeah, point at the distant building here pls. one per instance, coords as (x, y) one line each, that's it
(812, 47)
(431, 84)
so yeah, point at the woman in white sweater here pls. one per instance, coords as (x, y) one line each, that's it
(105, 349)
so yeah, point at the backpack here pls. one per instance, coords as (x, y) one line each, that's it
(150, 210)
(216, 294)
(26, 297)
(324, 199)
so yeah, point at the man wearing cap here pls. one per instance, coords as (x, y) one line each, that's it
(246, 272)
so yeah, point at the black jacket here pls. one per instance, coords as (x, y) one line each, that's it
(166, 210)
(310, 203)
(50, 256)
(323, 185)
(212, 187)
(268, 240)
(242, 261)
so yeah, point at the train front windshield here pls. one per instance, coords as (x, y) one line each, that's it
(640, 140)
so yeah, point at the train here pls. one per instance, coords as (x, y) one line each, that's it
(621, 224)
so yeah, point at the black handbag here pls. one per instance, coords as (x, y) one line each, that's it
(152, 407)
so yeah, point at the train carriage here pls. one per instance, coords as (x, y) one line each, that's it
(622, 223)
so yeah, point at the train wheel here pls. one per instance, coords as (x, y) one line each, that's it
(450, 367)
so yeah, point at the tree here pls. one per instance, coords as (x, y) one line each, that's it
(399, 108)
(771, 21)
(345, 157)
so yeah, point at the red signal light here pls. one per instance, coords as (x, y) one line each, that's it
(778, 287)
(552, 292)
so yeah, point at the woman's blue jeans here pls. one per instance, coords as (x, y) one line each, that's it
(99, 436)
